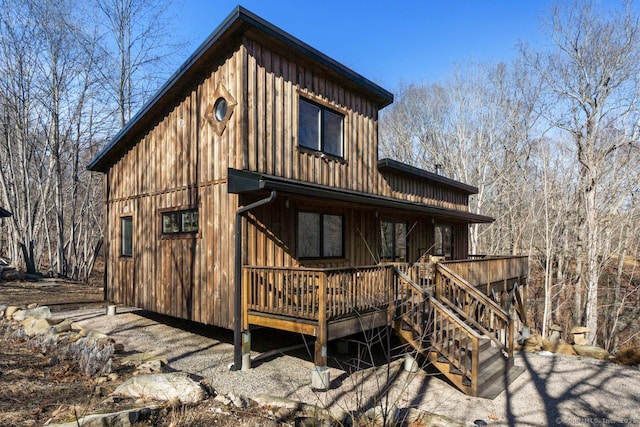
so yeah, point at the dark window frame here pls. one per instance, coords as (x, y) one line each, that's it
(321, 146)
(440, 247)
(321, 232)
(394, 244)
(126, 247)
(181, 232)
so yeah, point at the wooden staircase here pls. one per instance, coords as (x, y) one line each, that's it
(461, 331)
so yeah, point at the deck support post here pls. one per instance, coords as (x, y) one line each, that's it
(238, 347)
(320, 374)
(246, 350)
(320, 377)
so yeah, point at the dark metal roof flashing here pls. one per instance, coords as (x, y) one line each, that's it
(398, 167)
(240, 21)
(242, 181)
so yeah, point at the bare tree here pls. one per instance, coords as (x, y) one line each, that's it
(135, 41)
(591, 79)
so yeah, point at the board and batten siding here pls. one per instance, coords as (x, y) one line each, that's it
(274, 86)
(181, 163)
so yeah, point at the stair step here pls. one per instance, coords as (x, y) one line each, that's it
(493, 390)
(489, 372)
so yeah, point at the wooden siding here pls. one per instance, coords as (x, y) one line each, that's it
(271, 234)
(181, 162)
(275, 85)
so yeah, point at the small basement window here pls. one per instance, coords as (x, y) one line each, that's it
(126, 236)
(180, 222)
(320, 128)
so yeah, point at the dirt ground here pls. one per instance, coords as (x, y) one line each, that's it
(40, 389)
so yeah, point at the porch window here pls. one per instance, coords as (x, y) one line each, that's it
(180, 222)
(320, 128)
(394, 241)
(126, 236)
(320, 235)
(442, 244)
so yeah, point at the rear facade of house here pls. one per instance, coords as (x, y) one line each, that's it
(249, 192)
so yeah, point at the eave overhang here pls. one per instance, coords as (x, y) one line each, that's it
(240, 22)
(385, 165)
(241, 182)
(4, 213)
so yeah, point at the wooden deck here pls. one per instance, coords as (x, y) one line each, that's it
(443, 310)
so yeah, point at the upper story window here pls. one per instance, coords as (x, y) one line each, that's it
(443, 241)
(394, 241)
(126, 236)
(320, 128)
(320, 235)
(180, 222)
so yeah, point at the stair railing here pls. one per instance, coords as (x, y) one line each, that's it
(436, 327)
(476, 308)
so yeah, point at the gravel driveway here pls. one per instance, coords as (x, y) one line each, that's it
(553, 390)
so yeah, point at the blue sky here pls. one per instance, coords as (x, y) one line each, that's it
(389, 42)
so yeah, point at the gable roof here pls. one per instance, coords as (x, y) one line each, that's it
(238, 23)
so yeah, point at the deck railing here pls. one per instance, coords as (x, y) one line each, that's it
(487, 271)
(305, 292)
(480, 311)
(434, 325)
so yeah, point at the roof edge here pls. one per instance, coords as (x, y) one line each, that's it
(238, 16)
(394, 165)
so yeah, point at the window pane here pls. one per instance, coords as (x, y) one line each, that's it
(332, 236)
(190, 221)
(401, 242)
(171, 222)
(437, 244)
(332, 133)
(386, 229)
(127, 236)
(308, 235)
(309, 125)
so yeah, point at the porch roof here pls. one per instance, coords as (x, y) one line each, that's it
(242, 181)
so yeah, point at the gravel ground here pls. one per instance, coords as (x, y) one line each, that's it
(553, 390)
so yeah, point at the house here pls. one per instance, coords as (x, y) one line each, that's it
(248, 192)
(5, 213)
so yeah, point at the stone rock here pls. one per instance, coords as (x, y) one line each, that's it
(591, 351)
(150, 367)
(62, 327)
(560, 347)
(163, 387)
(35, 326)
(10, 311)
(39, 312)
(32, 305)
(237, 401)
(116, 419)
(223, 399)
